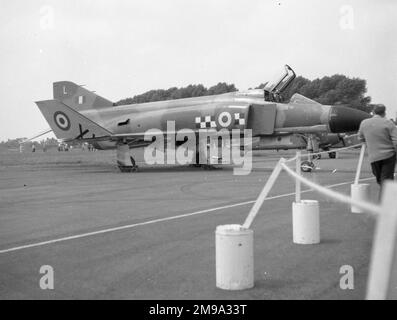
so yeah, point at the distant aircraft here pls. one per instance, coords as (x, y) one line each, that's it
(76, 114)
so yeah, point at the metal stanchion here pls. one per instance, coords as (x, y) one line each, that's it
(305, 214)
(297, 181)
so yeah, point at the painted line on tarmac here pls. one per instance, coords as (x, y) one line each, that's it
(130, 226)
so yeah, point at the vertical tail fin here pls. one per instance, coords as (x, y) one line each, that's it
(77, 97)
(69, 124)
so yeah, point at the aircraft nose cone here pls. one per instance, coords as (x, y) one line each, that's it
(345, 119)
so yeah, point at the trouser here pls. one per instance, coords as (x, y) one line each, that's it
(384, 169)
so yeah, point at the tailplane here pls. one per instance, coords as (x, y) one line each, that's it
(77, 97)
(68, 124)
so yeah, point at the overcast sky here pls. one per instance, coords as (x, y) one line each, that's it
(123, 48)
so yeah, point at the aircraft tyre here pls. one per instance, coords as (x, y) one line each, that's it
(124, 168)
(307, 166)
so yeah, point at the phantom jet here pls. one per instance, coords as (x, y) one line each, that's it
(77, 114)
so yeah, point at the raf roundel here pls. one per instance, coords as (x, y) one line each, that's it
(225, 119)
(62, 120)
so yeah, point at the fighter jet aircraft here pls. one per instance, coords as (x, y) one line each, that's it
(77, 114)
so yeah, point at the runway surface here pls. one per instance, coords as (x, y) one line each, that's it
(151, 234)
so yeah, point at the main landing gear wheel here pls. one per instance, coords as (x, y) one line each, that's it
(128, 168)
(124, 168)
(307, 166)
(208, 167)
(332, 155)
(204, 166)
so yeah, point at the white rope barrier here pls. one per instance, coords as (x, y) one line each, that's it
(282, 164)
(367, 206)
(382, 280)
(334, 150)
(262, 196)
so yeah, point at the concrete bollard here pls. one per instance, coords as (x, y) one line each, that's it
(359, 192)
(306, 222)
(234, 257)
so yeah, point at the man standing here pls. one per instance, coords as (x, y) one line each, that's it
(380, 135)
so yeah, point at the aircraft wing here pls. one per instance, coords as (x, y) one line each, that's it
(307, 129)
(156, 132)
(351, 140)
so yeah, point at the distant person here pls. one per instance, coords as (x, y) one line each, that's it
(33, 148)
(380, 136)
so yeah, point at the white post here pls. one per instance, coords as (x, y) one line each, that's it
(262, 196)
(234, 257)
(382, 279)
(309, 148)
(359, 165)
(358, 191)
(297, 181)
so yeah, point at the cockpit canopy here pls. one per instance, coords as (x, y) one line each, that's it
(274, 89)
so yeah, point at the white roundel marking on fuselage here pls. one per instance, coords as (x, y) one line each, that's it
(225, 119)
(62, 121)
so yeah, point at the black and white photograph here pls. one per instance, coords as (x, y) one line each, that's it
(198, 156)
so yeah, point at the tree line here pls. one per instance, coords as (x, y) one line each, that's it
(334, 90)
(14, 143)
(192, 90)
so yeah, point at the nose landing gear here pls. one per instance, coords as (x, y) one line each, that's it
(307, 166)
(312, 147)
